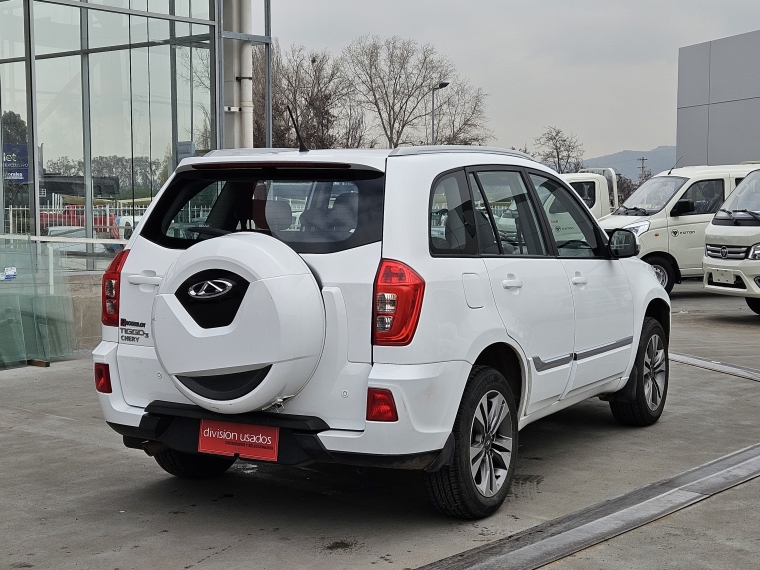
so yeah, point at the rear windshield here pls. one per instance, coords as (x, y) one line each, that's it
(311, 211)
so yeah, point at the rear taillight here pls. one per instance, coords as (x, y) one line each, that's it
(397, 303)
(380, 405)
(111, 282)
(102, 378)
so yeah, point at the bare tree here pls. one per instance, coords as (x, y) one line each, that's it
(625, 187)
(560, 151)
(460, 116)
(393, 78)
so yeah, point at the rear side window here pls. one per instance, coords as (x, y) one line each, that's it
(452, 227)
(311, 211)
(587, 192)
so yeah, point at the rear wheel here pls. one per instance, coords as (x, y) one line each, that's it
(192, 465)
(485, 448)
(651, 371)
(753, 304)
(664, 271)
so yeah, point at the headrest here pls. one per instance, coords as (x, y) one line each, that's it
(274, 215)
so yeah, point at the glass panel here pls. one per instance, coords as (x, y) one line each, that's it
(14, 169)
(487, 243)
(12, 349)
(332, 211)
(11, 29)
(111, 140)
(56, 28)
(452, 230)
(572, 228)
(707, 196)
(108, 29)
(587, 192)
(114, 3)
(138, 29)
(59, 125)
(514, 214)
(159, 6)
(160, 114)
(200, 9)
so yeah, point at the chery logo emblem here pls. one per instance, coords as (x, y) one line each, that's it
(211, 289)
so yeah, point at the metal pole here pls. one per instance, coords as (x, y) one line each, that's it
(173, 82)
(215, 57)
(268, 72)
(432, 120)
(2, 163)
(89, 231)
(245, 77)
(31, 116)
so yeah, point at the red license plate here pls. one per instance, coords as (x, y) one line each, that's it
(227, 438)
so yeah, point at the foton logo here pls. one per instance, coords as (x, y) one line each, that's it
(227, 438)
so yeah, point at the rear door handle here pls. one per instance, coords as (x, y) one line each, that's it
(512, 283)
(144, 280)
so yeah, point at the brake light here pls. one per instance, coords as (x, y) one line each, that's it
(380, 405)
(110, 297)
(102, 378)
(397, 304)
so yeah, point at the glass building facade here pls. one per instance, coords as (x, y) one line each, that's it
(99, 101)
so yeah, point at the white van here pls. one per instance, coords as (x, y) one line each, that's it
(597, 187)
(669, 213)
(732, 245)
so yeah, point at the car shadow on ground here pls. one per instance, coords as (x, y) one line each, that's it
(257, 492)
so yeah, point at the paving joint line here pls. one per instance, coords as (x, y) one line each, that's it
(566, 535)
(717, 366)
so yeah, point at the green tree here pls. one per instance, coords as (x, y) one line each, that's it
(14, 128)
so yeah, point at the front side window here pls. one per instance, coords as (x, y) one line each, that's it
(587, 192)
(311, 212)
(651, 196)
(571, 225)
(513, 212)
(452, 220)
(706, 195)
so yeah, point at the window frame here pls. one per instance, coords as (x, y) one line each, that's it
(531, 198)
(468, 196)
(600, 234)
(681, 197)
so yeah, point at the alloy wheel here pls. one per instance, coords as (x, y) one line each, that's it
(654, 372)
(490, 443)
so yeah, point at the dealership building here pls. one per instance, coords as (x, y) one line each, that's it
(719, 101)
(100, 100)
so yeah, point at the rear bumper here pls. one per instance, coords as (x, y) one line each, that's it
(177, 426)
(745, 272)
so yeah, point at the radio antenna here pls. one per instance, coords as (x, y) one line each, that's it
(301, 146)
(676, 164)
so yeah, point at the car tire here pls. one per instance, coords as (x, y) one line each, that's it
(192, 465)
(664, 271)
(753, 304)
(454, 489)
(651, 370)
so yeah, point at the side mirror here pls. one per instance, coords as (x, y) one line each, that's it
(623, 243)
(682, 207)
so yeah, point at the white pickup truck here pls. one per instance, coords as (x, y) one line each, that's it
(597, 187)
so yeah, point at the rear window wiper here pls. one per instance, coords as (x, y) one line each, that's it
(208, 231)
(750, 212)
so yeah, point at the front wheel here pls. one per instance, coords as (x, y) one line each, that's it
(664, 271)
(485, 448)
(651, 371)
(753, 304)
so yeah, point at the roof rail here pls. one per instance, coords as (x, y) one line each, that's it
(248, 151)
(436, 149)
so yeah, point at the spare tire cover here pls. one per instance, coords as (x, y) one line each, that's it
(239, 323)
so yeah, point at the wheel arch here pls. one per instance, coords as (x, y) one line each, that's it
(669, 258)
(659, 310)
(506, 359)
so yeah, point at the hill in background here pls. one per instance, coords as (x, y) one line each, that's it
(627, 162)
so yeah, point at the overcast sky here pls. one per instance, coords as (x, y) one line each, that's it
(604, 70)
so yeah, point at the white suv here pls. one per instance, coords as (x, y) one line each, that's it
(391, 324)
